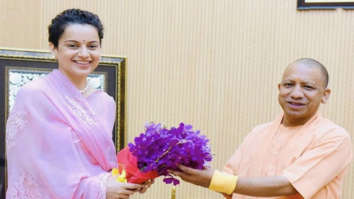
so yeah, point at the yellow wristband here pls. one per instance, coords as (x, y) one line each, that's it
(223, 182)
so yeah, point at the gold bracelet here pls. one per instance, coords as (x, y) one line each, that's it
(223, 182)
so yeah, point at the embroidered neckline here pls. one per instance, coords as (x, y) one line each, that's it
(84, 90)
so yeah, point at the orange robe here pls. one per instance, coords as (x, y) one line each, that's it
(314, 157)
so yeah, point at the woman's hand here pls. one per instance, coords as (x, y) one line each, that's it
(117, 190)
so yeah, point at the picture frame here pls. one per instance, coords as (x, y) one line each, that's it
(324, 4)
(18, 66)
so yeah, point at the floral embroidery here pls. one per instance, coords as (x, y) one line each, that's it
(103, 180)
(15, 124)
(80, 112)
(24, 187)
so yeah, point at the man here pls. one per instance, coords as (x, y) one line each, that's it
(298, 155)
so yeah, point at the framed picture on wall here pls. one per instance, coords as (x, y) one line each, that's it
(324, 4)
(17, 67)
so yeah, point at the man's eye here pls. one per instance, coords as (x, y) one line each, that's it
(287, 85)
(309, 87)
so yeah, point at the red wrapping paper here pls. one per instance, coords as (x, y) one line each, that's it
(128, 162)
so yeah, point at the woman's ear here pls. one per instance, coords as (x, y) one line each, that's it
(53, 49)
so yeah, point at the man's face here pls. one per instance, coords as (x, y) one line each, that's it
(301, 92)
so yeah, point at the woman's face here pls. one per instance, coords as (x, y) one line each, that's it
(78, 51)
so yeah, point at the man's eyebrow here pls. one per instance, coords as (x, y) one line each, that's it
(287, 80)
(302, 82)
(308, 81)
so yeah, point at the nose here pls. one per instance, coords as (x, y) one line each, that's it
(297, 92)
(83, 52)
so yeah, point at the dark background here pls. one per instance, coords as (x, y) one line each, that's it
(302, 5)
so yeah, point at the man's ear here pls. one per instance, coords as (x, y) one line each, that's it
(326, 94)
(53, 49)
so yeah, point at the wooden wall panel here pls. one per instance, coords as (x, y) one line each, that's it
(20, 23)
(212, 63)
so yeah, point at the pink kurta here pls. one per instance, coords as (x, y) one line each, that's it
(314, 157)
(59, 143)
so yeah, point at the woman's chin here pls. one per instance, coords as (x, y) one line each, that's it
(83, 72)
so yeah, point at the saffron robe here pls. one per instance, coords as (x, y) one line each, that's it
(314, 157)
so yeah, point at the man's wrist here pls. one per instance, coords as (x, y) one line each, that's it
(223, 182)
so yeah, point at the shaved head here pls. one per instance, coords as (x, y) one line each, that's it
(313, 63)
(302, 89)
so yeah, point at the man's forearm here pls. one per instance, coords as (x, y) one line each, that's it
(222, 182)
(264, 186)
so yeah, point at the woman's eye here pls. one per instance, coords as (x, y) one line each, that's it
(93, 46)
(72, 45)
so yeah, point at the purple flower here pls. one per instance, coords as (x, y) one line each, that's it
(162, 149)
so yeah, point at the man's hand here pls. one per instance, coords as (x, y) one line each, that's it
(195, 176)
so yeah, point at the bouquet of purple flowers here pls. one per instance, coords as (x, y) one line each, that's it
(159, 150)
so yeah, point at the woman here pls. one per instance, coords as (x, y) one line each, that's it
(59, 142)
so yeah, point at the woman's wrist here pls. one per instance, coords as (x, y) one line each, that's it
(103, 179)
